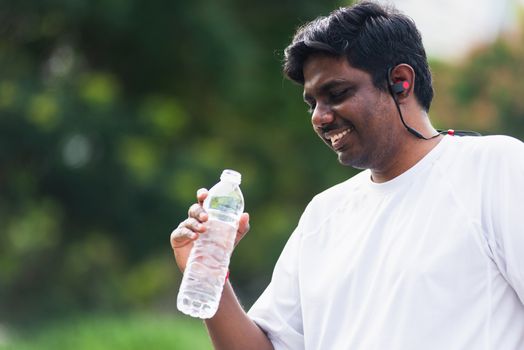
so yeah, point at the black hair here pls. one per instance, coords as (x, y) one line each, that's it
(373, 38)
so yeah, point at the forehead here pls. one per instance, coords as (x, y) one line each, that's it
(320, 70)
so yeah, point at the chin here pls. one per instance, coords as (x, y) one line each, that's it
(357, 163)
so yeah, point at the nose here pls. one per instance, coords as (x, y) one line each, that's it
(322, 115)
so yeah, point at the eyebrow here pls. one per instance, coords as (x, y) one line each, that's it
(325, 87)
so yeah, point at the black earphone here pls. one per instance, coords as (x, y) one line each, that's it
(396, 88)
(400, 87)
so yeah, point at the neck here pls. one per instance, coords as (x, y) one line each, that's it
(409, 152)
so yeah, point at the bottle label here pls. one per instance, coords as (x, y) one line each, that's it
(225, 204)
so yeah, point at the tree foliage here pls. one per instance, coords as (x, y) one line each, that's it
(113, 113)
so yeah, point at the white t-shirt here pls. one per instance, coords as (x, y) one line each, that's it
(433, 259)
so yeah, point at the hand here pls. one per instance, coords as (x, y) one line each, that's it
(188, 231)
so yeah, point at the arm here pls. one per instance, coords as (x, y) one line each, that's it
(503, 200)
(230, 328)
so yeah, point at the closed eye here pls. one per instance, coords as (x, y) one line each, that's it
(337, 95)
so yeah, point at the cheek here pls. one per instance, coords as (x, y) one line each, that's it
(378, 116)
(358, 109)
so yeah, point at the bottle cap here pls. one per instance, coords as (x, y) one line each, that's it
(231, 176)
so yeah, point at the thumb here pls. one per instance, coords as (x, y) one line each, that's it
(243, 227)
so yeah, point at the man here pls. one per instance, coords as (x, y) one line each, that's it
(424, 249)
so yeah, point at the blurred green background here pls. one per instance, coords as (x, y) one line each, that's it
(113, 113)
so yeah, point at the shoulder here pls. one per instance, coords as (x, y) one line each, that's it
(337, 193)
(486, 150)
(470, 163)
(328, 202)
(488, 144)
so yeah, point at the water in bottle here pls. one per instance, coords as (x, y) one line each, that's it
(208, 262)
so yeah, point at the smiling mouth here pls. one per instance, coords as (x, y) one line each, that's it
(336, 139)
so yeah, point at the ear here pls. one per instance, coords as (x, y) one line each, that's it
(402, 80)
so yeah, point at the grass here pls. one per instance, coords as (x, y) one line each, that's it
(101, 332)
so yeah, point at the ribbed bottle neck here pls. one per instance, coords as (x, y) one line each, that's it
(231, 176)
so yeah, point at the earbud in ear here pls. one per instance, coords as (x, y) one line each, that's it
(400, 87)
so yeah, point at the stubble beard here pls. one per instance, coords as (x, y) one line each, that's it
(375, 158)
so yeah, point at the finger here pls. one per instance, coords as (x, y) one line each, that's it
(196, 211)
(201, 195)
(193, 225)
(243, 227)
(243, 223)
(182, 236)
(188, 229)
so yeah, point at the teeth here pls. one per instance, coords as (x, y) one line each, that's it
(338, 136)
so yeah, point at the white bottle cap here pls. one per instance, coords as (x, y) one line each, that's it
(231, 176)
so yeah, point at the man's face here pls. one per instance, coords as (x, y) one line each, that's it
(353, 117)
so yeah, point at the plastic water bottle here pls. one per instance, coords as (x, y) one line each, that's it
(208, 262)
